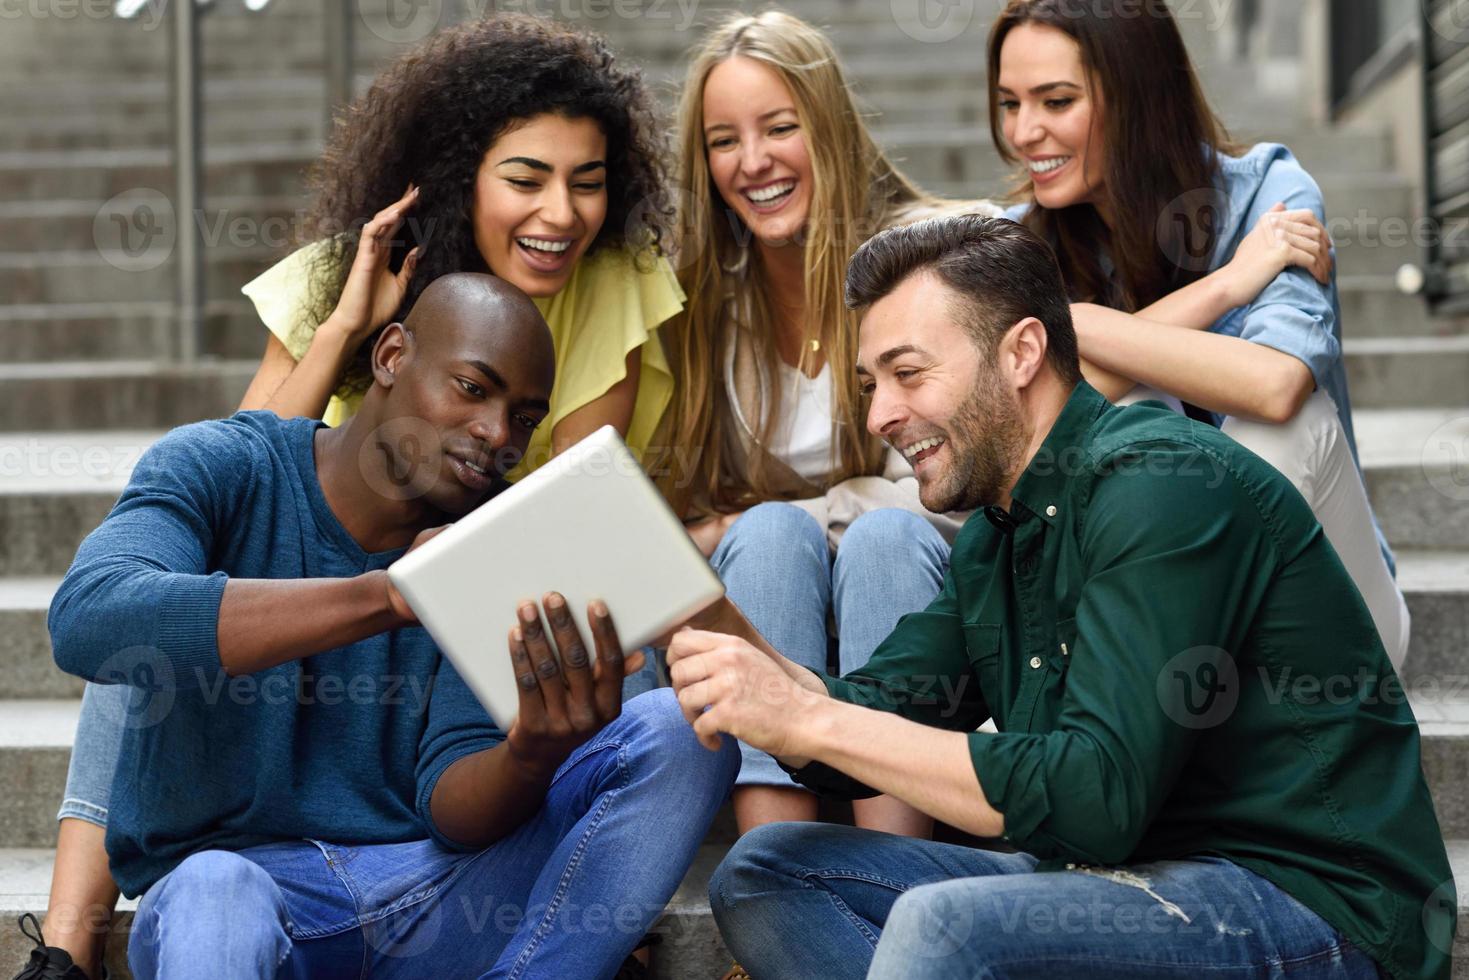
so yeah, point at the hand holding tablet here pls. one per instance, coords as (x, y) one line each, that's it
(590, 526)
(565, 700)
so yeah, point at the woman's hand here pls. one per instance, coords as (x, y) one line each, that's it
(373, 293)
(1279, 240)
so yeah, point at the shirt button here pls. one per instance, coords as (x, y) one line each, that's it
(1035, 663)
(1051, 511)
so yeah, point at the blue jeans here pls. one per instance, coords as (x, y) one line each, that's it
(778, 570)
(807, 900)
(568, 894)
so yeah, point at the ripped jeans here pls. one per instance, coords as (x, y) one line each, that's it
(818, 900)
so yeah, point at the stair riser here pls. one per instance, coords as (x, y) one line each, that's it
(235, 335)
(1413, 513)
(1408, 379)
(248, 224)
(1385, 312)
(252, 178)
(99, 282)
(55, 404)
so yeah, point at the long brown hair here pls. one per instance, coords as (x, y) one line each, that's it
(1162, 142)
(856, 192)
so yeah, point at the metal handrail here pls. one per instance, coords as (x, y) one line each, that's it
(185, 86)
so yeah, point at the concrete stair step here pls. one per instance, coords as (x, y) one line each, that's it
(1407, 372)
(124, 331)
(112, 273)
(67, 225)
(1373, 306)
(1416, 464)
(120, 394)
(267, 170)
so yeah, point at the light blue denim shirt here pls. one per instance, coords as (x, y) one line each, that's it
(1295, 313)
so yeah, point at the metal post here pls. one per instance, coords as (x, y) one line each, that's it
(187, 199)
(337, 20)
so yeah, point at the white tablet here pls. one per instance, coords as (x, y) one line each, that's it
(588, 524)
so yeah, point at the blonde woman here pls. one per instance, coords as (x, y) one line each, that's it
(807, 518)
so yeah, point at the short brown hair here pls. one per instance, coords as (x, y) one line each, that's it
(1003, 272)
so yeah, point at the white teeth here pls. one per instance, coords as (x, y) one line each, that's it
(477, 469)
(1046, 166)
(541, 244)
(919, 447)
(772, 192)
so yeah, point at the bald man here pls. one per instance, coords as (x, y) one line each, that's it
(305, 787)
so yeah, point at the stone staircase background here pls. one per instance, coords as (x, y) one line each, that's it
(86, 324)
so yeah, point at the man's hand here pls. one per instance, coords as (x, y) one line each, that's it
(565, 703)
(726, 684)
(396, 602)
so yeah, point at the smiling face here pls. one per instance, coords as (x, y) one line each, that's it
(935, 399)
(1051, 116)
(756, 150)
(540, 198)
(468, 380)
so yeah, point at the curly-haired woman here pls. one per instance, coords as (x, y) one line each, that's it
(524, 151)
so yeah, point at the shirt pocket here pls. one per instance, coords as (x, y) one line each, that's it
(982, 643)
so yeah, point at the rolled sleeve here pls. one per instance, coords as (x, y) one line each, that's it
(1294, 314)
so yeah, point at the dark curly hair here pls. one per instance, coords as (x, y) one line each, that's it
(429, 119)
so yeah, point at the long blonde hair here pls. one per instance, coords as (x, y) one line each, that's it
(856, 192)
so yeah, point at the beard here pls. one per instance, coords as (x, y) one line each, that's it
(986, 438)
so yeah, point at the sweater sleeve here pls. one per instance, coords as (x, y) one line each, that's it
(140, 604)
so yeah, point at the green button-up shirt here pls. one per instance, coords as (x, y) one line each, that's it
(1178, 664)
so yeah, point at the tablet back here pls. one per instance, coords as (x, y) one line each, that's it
(590, 525)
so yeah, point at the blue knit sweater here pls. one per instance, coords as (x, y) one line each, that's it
(344, 746)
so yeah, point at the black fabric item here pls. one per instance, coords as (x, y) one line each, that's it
(46, 962)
